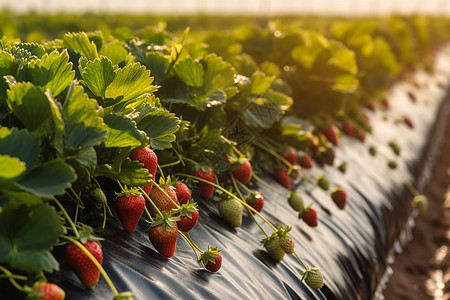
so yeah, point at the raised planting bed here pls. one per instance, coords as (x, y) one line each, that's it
(89, 136)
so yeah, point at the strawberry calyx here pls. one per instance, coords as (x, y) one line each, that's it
(185, 209)
(167, 220)
(305, 210)
(168, 181)
(128, 192)
(209, 255)
(252, 197)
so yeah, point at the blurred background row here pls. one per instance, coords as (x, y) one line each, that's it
(233, 7)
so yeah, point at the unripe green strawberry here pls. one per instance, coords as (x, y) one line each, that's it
(373, 150)
(323, 183)
(395, 147)
(272, 246)
(287, 244)
(295, 200)
(392, 164)
(313, 278)
(420, 202)
(231, 211)
(343, 167)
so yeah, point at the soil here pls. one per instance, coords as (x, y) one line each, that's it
(422, 270)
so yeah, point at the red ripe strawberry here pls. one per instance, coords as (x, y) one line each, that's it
(163, 202)
(255, 200)
(348, 128)
(147, 157)
(408, 122)
(331, 133)
(188, 214)
(412, 97)
(309, 216)
(164, 234)
(183, 193)
(242, 171)
(49, 291)
(305, 161)
(339, 197)
(207, 190)
(283, 178)
(290, 155)
(129, 208)
(80, 263)
(214, 266)
(385, 104)
(211, 259)
(360, 135)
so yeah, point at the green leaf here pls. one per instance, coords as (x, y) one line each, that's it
(83, 128)
(131, 173)
(29, 104)
(296, 132)
(123, 132)
(49, 179)
(27, 235)
(116, 85)
(21, 144)
(158, 63)
(80, 43)
(115, 51)
(53, 71)
(218, 75)
(11, 167)
(97, 74)
(8, 66)
(160, 126)
(305, 55)
(260, 83)
(34, 48)
(190, 71)
(342, 57)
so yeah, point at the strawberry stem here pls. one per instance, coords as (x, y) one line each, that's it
(240, 194)
(170, 164)
(76, 197)
(301, 261)
(269, 150)
(12, 278)
(268, 185)
(150, 201)
(228, 193)
(191, 243)
(95, 261)
(67, 217)
(160, 171)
